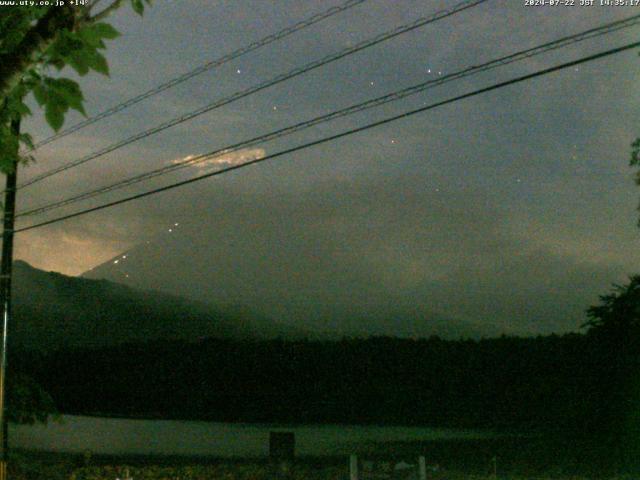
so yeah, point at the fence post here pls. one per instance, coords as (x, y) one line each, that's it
(422, 468)
(353, 467)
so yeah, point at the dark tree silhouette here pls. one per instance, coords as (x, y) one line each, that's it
(617, 318)
(614, 328)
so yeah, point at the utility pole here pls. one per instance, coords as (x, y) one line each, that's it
(6, 265)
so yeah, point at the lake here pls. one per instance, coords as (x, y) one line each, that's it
(165, 437)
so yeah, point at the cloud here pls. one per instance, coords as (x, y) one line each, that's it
(225, 158)
(70, 252)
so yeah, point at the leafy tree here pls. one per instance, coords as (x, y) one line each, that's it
(618, 315)
(614, 328)
(27, 401)
(34, 40)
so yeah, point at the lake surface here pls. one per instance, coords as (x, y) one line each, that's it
(164, 437)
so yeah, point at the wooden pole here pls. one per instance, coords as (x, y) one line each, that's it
(6, 265)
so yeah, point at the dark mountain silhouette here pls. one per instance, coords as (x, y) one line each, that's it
(326, 296)
(53, 311)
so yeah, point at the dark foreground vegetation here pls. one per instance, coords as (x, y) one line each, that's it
(575, 397)
(542, 383)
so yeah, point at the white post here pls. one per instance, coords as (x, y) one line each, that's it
(422, 468)
(353, 467)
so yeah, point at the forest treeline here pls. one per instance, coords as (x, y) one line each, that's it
(548, 382)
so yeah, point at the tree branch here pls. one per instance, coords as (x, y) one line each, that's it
(107, 11)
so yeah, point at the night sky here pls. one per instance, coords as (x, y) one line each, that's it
(508, 212)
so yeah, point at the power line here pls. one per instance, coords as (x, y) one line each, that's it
(203, 68)
(391, 97)
(346, 133)
(420, 22)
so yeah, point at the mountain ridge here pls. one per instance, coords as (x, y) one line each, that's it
(53, 311)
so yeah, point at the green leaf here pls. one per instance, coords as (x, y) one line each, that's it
(22, 109)
(79, 63)
(40, 93)
(54, 115)
(67, 93)
(67, 44)
(104, 30)
(15, 105)
(138, 6)
(75, 102)
(92, 35)
(98, 63)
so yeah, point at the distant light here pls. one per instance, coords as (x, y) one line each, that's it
(170, 230)
(116, 261)
(238, 71)
(371, 83)
(176, 224)
(429, 70)
(275, 108)
(124, 256)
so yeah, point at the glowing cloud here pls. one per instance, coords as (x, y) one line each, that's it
(225, 158)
